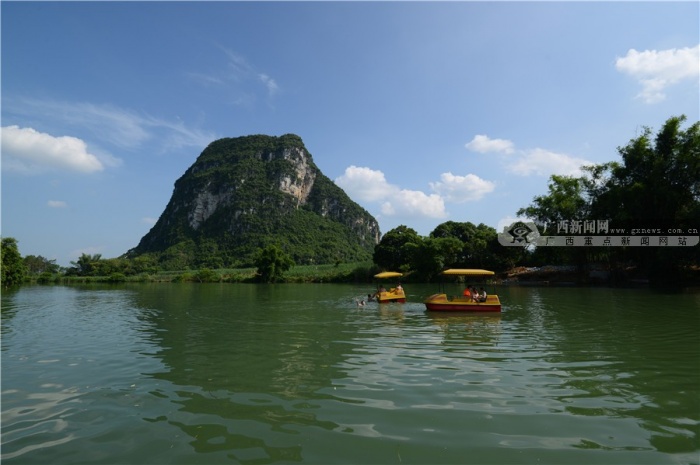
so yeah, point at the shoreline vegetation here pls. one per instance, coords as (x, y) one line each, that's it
(363, 273)
(339, 273)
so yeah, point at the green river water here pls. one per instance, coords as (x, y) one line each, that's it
(294, 373)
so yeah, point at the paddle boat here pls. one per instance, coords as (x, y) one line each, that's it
(395, 294)
(440, 302)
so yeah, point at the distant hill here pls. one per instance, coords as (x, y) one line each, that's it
(245, 193)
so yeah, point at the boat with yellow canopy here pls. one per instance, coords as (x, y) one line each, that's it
(463, 303)
(395, 294)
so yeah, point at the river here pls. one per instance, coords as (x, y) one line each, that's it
(299, 373)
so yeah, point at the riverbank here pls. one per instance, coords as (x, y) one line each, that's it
(558, 275)
(550, 275)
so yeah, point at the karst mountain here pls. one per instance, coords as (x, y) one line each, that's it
(245, 193)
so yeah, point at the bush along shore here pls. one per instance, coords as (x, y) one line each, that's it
(549, 275)
(339, 273)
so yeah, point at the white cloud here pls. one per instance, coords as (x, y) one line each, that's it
(545, 163)
(658, 69)
(29, 151)
(365, 184)
(206, 79)
(116, 126)
(368, 185)
(177, 134)
(270, 83)
(522, 162)
(409, 203)
(482, 144)
(461, 189)
(240, 72)
(238, 65)
(57, 204)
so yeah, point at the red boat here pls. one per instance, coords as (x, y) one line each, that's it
(441, 302)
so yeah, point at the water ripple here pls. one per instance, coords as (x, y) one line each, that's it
(279, 374)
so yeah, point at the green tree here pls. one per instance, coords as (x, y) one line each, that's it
(117, 278)
(13, 268)
(86, 265)
(144, 264)
(392, 252)
(207, 275)
(431, 255)
(480, 246)
(272, 263)
(45, 278)
(658, 179)
(568, 198)
(36, 264)
(656, 184)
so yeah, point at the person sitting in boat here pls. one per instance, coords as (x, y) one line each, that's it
(482, 295)
(475, 294)
(379, 291)
(399, 288)
(467, 293)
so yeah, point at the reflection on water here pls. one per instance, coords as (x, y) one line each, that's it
(300, 373)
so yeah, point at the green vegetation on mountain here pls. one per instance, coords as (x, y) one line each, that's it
(247, 193)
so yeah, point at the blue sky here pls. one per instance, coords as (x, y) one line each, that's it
(422, 112)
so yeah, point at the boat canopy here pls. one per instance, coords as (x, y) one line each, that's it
(467, 272)
(388, 274)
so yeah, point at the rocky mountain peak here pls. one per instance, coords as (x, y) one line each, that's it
(244, 193)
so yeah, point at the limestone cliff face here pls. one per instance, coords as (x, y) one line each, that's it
(244, 193)
(297, 183)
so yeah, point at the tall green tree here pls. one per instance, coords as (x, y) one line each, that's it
(433, 254)
(36, 264)
(272, 263)
(13, 270)
(480, 246)
(392, 252)
(658, 179)
(656, 184)
(565, 200)
(568, 198)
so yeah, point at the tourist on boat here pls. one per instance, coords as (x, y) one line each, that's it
(475, 294)
(398, 287)
(482, 295)
(467, 293)
(379, 291)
